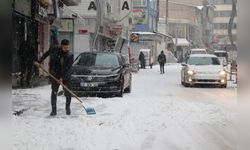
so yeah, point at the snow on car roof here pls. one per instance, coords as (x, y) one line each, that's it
(198, 49)
(202, 55)
(219, 51)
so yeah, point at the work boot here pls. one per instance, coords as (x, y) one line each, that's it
(68, 111)
(53, 103)
(53, 112)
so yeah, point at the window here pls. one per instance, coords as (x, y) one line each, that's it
(139, 2)
(227, 1)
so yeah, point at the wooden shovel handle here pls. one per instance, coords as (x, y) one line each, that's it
(64, 86)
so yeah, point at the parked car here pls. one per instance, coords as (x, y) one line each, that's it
(148, 54)
(203, 69)
(101, 73)
(198, 51)
(223, 56)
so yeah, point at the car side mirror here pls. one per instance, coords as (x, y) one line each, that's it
(183, 64)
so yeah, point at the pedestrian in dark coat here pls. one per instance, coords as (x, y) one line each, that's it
(27, 55)
(60, 66)
(142, 59)
(162, 60)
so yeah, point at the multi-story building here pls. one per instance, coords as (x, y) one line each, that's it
(106, 24)
(184, 25)
(145, 28)
(222, 14)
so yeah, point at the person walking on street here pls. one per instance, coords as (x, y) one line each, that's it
(27, 54)
(60, 66)
(142, 60)
(162, 61)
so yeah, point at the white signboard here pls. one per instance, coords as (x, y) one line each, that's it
(66, 25)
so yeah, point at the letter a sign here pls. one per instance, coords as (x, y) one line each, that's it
(125, 5)
(92, 5)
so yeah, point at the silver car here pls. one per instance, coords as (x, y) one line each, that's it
(203, 69)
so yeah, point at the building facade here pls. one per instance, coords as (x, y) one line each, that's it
(144, 35)
(106, 24)
(40, 21)
(223, 11)
(184, 24)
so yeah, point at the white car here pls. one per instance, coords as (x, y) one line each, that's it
(203, 69)
(198, 51)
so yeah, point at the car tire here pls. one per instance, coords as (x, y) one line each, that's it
(129, 88)
(184, 83)
(224, 86)
(120, 93)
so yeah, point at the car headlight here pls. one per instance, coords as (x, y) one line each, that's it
(222, 73)
(190, 72)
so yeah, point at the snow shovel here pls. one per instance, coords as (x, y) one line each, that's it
(89, 110)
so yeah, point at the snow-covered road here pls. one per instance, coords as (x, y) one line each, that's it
(159, 114)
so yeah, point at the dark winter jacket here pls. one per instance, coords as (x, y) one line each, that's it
(141, 57)
(60, 64)
(162, 58)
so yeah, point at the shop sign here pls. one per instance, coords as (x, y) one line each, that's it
(134, 37)
(23, 7)
(66, 25)
(139, 16)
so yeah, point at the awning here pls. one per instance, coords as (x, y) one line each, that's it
(159, 37)
(181, 42)
(144, 33)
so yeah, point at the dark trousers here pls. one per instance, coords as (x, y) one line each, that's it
(162, 68)
(55, 87)
(142, 64)
(26, 67)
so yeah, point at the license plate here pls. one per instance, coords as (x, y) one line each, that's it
(83, 84)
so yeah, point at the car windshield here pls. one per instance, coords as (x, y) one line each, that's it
(220, 54)
(203, 61)
(97, 59)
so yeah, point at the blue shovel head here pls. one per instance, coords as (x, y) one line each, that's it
(89, 110)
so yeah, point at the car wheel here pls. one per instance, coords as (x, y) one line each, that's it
(223, 86)
(129, 88)
(120, 93)
(184, 82)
